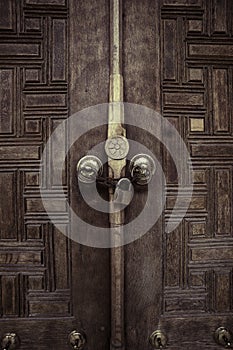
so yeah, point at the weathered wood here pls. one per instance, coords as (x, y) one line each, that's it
(143, 258)
(54, 61)
(89, 85)
(182, 281)
(176, 59)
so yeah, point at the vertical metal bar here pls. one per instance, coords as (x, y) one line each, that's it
(116, 170)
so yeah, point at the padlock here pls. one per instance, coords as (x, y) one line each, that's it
(124, 192)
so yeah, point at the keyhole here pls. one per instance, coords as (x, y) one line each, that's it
(159, 343)
(226, 341)
(7, 346)
(77, 344)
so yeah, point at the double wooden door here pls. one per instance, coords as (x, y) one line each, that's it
(54, 61)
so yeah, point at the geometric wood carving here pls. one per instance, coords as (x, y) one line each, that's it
(33, 100)
(197, 86)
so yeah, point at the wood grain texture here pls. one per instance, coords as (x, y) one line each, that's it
(182, 282)
(194, 332)
(89, 85)
(35, 275)
(220, 101)
(197, 257)
(143, 275)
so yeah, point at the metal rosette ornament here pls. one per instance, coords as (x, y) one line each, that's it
(117, 147)
(147, 120)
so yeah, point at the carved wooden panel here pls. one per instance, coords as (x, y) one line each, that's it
(191, 68)
(196, 94)
(34, 257)
(38, 89)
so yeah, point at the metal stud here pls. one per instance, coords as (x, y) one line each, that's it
(223, 337)
(77, 340)
(158, 340)
(10, 341)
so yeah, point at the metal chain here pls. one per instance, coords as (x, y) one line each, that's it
(111, 183)
(106, 181)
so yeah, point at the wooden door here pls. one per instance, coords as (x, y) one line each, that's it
(178, 60)
(54, 61)
(50, 286)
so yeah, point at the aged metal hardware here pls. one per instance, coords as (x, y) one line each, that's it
(10, 341)
(223, 337)
(77, 340)
(124, 192)
(116, 171)
(158, 340)
(142, 168)
(117, 147)
(88, 168)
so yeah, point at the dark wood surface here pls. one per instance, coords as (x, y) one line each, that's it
(54, 61)
(143, 258)
(175, 60)
(89, 85)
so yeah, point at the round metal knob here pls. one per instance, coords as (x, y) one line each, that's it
(158, 340)
(223, 337)
(142, 168)
(88, 168)
(10, 341)
(77, 340)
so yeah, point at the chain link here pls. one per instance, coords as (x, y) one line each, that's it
(106, 181)
(111, 183)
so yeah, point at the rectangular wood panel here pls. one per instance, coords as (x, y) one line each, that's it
(220, 17)
(19, 152)
(35, 205)
(196, 203)
(57, 156)
(33, 25)
(52, 308)
(7, 100)
(35, 283)
(185, 99)
(171, 170)
(61, 260)
(33, 231)
(46, 100)
(59, 54)
(46, 2)
(207, 50)
(169, 50)
(6, 15)
(223, 290)
(211, 254)
(8, 224)
(221, 103)
(182, 2)
(18, 50)
(172, 261)
(223, 200)
(9, 289)
(21, 258)
(224, 150)
(182, 303)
